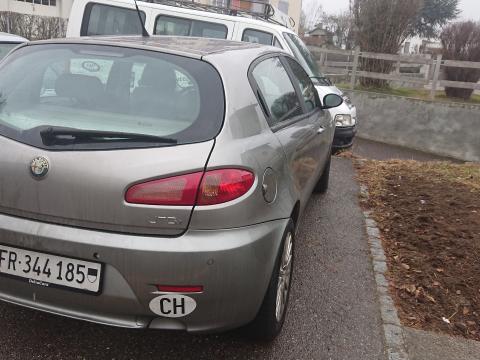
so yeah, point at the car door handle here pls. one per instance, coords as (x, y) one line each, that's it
(321, 130)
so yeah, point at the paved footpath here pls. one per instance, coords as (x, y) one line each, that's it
(334, 312)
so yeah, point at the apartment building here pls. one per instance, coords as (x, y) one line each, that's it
(291, 7)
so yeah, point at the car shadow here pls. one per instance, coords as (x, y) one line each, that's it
(28, 333)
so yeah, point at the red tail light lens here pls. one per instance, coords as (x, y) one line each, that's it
(178, 190)
(216, 187)
(220, 186)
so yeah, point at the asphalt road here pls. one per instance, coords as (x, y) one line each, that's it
(334, 313)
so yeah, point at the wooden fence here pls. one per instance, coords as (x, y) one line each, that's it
(430, 79)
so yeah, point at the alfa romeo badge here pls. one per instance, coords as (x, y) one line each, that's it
(39, 167)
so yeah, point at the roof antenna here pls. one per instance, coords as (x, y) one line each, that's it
(144, 31)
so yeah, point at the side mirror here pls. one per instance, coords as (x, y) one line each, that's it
(331, 101)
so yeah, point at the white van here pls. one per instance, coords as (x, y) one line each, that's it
(119, 17)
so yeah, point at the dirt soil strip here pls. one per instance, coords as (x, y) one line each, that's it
(429, 218)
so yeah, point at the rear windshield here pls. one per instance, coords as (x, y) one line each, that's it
(64, 89)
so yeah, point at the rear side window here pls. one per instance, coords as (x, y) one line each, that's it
(309, 94)
(108, 89)
(170, 25)
(277, 43)
(5, 49)
(257, 36)
(110, 20)
(276, 91)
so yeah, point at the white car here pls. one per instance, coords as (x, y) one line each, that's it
(345, 117)
(260, 23)
(8, 42)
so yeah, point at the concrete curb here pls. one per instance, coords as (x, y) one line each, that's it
(393, 332)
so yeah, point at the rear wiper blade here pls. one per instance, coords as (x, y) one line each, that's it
(66, 136)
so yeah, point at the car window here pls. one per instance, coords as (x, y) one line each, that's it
(167, 25)
(106, 88)
(170, 25)
(277, 90)
(110, 20)
(5, 49)
(309, 94)
(277, 43)
(257, 36)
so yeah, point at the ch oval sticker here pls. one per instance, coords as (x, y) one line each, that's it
(173, 305)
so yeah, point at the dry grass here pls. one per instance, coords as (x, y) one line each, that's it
(429, 217)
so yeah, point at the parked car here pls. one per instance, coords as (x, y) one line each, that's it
(345, 117)
(8, 42)
(119, 17)
(157, 182)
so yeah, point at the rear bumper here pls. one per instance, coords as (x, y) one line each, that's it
(234, 266)
(344, 137)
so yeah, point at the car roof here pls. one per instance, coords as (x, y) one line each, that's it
(180, 45)
(6, 37)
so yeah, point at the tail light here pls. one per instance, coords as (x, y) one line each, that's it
(216, 187)
(221, 186)
(178, 190)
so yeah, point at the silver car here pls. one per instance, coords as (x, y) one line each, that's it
(157, 182)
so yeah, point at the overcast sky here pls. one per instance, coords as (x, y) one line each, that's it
(470, 8)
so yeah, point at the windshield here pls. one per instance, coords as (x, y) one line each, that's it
(5, 48)
(305, 58)
(78, 89)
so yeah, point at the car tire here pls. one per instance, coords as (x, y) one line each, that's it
(322, 184)
(271, 316)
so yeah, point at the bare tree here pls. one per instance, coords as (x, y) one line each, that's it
(382, 26)
(311, 16)
(32, 27)
(461, 41)
(341, 25)
(50, 27)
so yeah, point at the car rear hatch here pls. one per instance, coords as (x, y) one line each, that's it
(87, 189)
(87, 122)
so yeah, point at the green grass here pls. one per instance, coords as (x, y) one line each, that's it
(414, 93)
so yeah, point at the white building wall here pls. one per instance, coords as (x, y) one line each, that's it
(294, 9)
(61, 9)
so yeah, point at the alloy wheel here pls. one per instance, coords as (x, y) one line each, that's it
(284, 277)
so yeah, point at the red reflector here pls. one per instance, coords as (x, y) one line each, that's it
(180, 289)
(220, 186)
(179, 190)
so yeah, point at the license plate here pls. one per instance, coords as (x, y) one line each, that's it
(50, 270)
